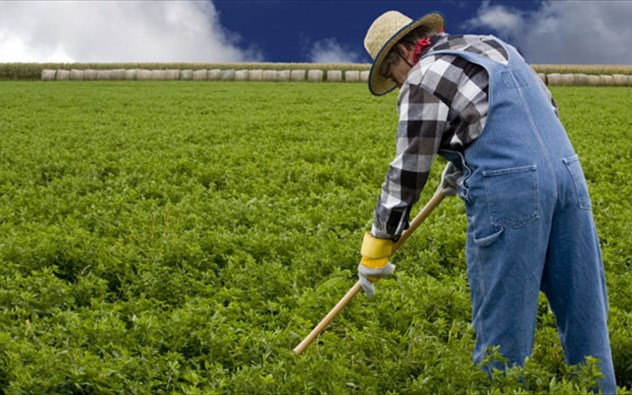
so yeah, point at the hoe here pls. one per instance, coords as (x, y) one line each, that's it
(421, 217)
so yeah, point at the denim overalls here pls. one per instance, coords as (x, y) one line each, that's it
(530, 225)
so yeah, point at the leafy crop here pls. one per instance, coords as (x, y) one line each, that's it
(183, 237)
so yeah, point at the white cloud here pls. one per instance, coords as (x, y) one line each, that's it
(116, 31)
(501, 19)
(564, 32)
(330, 51)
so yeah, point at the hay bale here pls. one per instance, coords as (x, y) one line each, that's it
(255, 75)
(567, 79)
(104, 75)
(241, 75)
(269, 75)
(143, 75)
(48, 75)
(542, 77)
(62, 75)
(158, 75)
(118, 74)
(334, 76)
(200, 75)
(594, 80)
(90, 75)
(606, 80)
(297, 75)
(283, 75)
(131, 74)
(352, 76)
(77, 75)
(581, 79)
(315, 76)
(171, 75)
(620, 79)
(554, 79)
(227, 75)
(214, 75)
(186, 75)
(364, 76)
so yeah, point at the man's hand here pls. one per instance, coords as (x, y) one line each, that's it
(374, 264)
(449, 179)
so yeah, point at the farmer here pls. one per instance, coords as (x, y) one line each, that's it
(474, 101)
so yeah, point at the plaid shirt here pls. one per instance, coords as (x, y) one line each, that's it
(442, 105)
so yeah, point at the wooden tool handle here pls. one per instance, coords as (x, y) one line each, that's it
(421, 217)
(330, 316)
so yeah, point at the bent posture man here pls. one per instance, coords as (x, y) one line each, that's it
(475, 101)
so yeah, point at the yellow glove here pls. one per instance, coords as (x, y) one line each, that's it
(374, 263)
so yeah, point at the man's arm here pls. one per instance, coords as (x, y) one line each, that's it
(422, 120)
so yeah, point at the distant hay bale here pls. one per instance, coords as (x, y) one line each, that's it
(567, 79)
(315, 76)
(143, 75)
(255, 75)
(200, 75)
(214, 74)
(241, 75)
(283, 75)
(62, 75)
(227, 75)
(581, 79)
(554, 79)
(48, 75)
(620, 79)
(269, 75)
(90, 75)
(131, 74)
(297, 75)
(186, 75)
(158, 75)
(104, 75)
(352, 76)
(172, 75)
(542, 77)
(364, 76)
(77, 75)
(594, 80)
(606, 80)
(334, 76)
(118, 74)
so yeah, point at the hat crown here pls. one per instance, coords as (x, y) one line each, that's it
(383, 29)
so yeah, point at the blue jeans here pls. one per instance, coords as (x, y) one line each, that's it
(526, 243)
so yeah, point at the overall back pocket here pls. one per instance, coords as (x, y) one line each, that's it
(512, 196)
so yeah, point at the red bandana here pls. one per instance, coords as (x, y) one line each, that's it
(421, 45)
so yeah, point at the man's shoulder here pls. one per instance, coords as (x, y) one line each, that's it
(484, 45)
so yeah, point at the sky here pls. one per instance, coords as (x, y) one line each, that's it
(318, 31)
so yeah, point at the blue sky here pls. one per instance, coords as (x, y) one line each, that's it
(294, 30)
(324, 31)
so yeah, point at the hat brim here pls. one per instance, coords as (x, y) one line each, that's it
(378, 85)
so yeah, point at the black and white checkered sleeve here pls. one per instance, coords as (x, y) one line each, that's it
(422, 119)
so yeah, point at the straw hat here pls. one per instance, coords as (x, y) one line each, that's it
(383, 34)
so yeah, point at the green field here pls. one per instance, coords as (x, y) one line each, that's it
(177, 237)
